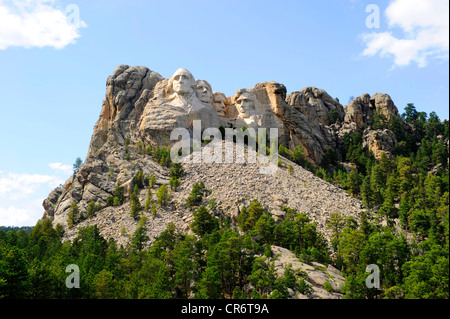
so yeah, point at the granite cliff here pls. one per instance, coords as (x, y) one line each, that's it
(141, 108)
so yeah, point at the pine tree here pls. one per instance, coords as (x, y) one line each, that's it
(14, 273)
(404, 212)
(196, 195)
(298, 155)
(204, 222)
(119, 196)
(210, 284)
(110, 201)
(377, 183)
(177, 170)
(242, 218)
(335, 224)
(290, 169)
(77, 165)
(353, 182)
(163, 195)
(250, 216)
(263, 275)
(139, 179)
(388, 209)
(265, 227)
(393, 185)
(146, 180)
(135, 205)
(73, 215)
(149, 201)
(154, 212)
(139, 238)
(152, 181)
(174, 183)
(92, 208)
(366, 193)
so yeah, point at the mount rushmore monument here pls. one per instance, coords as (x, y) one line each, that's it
(140, 110)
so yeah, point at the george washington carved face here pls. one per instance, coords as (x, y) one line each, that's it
(182, 82)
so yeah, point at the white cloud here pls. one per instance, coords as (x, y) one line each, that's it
(425, 29)
(15, 186)
(66, 169)
(13, 216)
(22, 214)
(38, 23)
(21, 197)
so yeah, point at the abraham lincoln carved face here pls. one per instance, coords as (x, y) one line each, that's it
(244, 105)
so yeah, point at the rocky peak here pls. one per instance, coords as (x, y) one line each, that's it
(317, 105)
(384, 105)
(360, 110)
(124, 88)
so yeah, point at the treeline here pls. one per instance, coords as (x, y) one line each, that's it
(26, 229)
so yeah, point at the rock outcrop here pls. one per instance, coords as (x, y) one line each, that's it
(317, 106)
(140, 110)
(315, 275)
(126, 90)
(380, 141)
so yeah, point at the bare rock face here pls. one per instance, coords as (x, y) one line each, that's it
(384, 105)
(360, 115)
(380, 141)
(50, 202)
(316, 275)
(316, 105)
(126, 86)
(361, 109)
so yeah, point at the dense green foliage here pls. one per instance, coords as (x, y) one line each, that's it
(5, 229)
(219, 262)
(409, 195)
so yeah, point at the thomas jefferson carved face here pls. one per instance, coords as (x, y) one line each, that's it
(244, 103)
(182, 82)
(203, 91)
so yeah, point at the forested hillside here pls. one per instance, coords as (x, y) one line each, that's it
(404, 232)
(409, 193)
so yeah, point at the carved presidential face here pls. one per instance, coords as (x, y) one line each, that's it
(244, 103)
(203, 91)
(182, 82)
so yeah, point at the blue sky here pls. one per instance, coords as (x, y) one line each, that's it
(54, 69)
